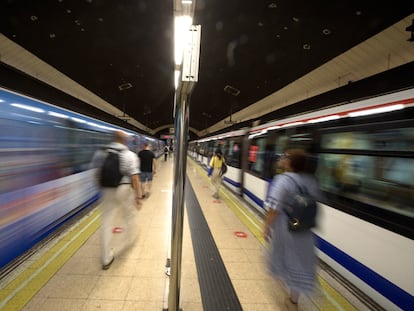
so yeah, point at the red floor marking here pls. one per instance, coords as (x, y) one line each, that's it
(117, 230)
(240, 234)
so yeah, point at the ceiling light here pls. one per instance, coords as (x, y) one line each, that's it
(292, 124)
(78, 120)
(324, 119)
(231, 90)
(56, 114)
(376, 110)
(182, 25)
(27, 107)
(124, 86)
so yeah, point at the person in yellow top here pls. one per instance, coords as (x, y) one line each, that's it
(216, 162)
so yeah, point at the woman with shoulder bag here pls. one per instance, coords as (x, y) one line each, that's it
(292, 257)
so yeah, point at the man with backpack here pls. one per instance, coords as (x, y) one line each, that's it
(117, 170)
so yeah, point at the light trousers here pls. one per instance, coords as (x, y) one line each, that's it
(116, 200)
(216, 180)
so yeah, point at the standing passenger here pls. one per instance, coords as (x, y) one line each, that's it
(171, 151)
(216, 162)
(292, 256)
(123, 196)
(166, 151)
(148, 169)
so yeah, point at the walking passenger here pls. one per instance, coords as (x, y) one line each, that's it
(148, 169)
(121, 197)
(292, 256)
(216, 163)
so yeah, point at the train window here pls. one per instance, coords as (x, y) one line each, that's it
(35, 154)
(265, 151)
(374, 175)
(399, 139)
(275, 145)
(255, 156)
(232, 152)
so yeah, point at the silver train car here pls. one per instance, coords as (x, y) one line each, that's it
(44, 175)
(362, 153)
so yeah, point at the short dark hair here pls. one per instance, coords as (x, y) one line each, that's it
(297, 159)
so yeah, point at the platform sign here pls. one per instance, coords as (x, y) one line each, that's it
(166, 136)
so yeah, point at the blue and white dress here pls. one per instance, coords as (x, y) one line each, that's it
(292, 256)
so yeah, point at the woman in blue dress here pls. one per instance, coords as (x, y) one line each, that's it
(292, 256)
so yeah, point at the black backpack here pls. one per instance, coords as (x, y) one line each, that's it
(110, 175)
(302, 209)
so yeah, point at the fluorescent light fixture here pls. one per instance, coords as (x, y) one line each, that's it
(93, 124)
(186, 1)
(78, 120)
(324, 119)
(59, 115)
(274, 127)
(28, 107)
(181, 36)
(176, 78)
(376, 110)
(292, 124)
(258, 134)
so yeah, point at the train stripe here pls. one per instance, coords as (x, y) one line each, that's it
(386, 288)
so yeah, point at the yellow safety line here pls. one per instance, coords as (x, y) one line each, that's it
(333, 299)
(16, 294)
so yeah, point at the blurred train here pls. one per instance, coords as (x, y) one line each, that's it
(362, 153)
(44, 174)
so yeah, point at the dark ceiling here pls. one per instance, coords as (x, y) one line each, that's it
(122, 50)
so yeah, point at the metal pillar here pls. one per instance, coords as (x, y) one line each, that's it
(180, 165)
(189, 76)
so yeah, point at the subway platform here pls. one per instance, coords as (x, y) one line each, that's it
(222, 267)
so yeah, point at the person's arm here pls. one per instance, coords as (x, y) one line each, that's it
(154, 166)
(212, 161)
(270, 218)
(136, 184)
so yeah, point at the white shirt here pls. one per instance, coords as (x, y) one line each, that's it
(129, 161)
